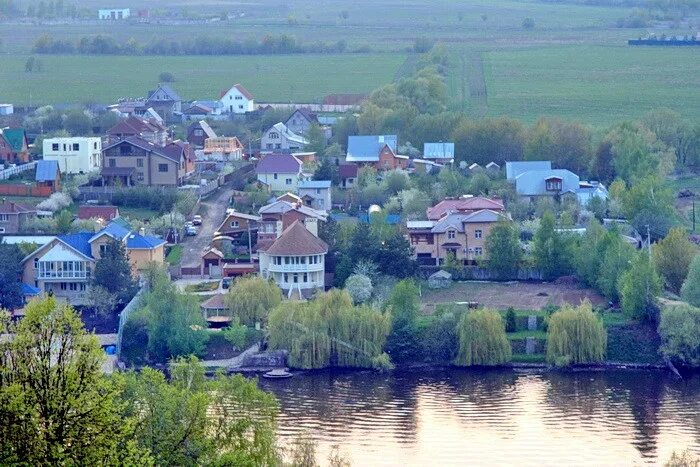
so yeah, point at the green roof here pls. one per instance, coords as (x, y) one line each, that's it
(15, 137)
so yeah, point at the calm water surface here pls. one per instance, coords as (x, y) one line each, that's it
(454, 417)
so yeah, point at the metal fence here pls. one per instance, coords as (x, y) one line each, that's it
(7, 173)
(124, 317)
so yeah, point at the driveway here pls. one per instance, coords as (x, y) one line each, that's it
(212, 216)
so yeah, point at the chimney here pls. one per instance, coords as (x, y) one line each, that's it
(142, 231)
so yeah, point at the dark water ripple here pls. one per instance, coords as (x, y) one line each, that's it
(453, 417)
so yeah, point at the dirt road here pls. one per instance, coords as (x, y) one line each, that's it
(212, 211)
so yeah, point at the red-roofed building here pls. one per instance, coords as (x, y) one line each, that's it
(295, 261)
(13, 216)
(463, 205)
(237, 100)
(150, 130)
(104, 213)
(348, 175)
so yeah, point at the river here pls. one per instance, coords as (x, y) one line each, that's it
(466, 417)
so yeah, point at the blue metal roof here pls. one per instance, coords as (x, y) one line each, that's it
(439, 150)
(314, 184)
(391, 219)
(327, 119)
(46, 171)
(367, 147)
(79, 241)
(114, 230)
(513, 169)
(29, 291)
(143, 241)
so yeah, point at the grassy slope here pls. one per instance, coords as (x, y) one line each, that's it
(308, 78)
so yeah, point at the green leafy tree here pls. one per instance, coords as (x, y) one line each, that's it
(56, 407)
(251, 299)
(617, 258)
(403, 306)
(638, 288)
(503, 250)
(637, 153)
(649, 203)
(673, 256)
(566, 144)
(316, 138)
(486, 140)
(575, 336)
(680, 332)
(10, 276)
(189, 419)
(552, 251)
(64, 222)
(690, 291)
(590, 253)
(113, 272)
(101, 301)
(482, 339)
(78, 123)
(359, 287)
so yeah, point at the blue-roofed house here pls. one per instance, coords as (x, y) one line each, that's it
(439, 152)
(63, 266)
(513, 169)
(316, 194)
(535, 184)
(378, 151)
(48, 174)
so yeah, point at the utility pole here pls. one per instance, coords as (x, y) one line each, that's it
(693, 216)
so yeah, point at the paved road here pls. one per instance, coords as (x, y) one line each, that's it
(192, 247)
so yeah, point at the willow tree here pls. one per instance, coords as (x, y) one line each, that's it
(575, 335)
(482, 339)
(329, 331)
(251, 298)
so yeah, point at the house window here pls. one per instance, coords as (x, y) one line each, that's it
(239, 98)
(36, 263)
(139, 176)
(76, 147)
(124, 149)
(103, 249)
(554, 184)
(318, 191)
(139, 162)
(478, 251)
(306, 277)
(288, 181)
(240, 106)
(295, 277)
(73, 286)
(82, 287)
(112, 162)
(162, 167)
(286, 277)
(477, 234)
(234, 223)
(273, 135)
(269, 145)
(198, 132)
(274, 176)
(64, 286)
(94, 145)
(54, 147)
(4, 217)
(279, 146)
(451, 234)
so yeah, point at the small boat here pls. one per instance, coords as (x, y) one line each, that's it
(278, 373)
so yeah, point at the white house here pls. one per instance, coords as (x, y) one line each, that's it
(295, 261)
(114, 13)
(75, 154)
(280, 138)
(237, 100)
(280, 172)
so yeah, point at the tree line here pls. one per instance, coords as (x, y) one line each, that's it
(271, 44)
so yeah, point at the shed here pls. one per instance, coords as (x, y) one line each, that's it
(440, 280)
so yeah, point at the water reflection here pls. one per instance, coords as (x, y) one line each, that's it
(454, 417)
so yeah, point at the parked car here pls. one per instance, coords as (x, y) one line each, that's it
(197, 220)
(226, 282)
(190, 230)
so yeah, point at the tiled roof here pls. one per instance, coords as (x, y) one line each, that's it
(14, 208)
(310, 184)
(172, 151)
(15, 138)
(198, 109)
(78, 241)
(439, 150)
(366, 148)
(214, 303)
(296, 240)
(241, 89)
(101, 212)
(463, 205)
(143, 242)
(278, 163)
(457, 221)
(347, 170)
(306, 113)
(46, 171)
(134, 125)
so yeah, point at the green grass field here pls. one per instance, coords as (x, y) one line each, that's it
(288, 78)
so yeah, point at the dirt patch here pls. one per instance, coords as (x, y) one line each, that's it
(519, 295)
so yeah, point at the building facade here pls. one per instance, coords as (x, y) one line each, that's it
(316, 194)
(237, 100)
(280, 138)
(279, 172)
(134, 161)
(13, 216)
(74, 155)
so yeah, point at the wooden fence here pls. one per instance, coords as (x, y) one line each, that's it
(26, 190)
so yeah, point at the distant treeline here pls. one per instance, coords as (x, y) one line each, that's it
(270, 44)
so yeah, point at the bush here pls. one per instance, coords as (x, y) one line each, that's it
(359, 287)
(482, 339)
(135, 340)
(680, 332)
(511, 323)
(55, 202)
(575, 336)
(166, 77)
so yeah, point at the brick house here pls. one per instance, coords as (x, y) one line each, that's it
(150, 130)
(14, 146)
(378, 151)
(13, 216)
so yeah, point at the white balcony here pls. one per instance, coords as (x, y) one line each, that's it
(295, 267)
(50, 275)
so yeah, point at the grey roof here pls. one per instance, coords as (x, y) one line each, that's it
(366, 148)
(533, 183)
(46, 171)
(439, 150)
(279, 163)
(457, 221)
(281, 207)
(314, 184)
(207, 129)
(170, 92)
(513, 169)
(287, 133)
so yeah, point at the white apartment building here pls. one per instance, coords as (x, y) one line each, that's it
(75, 154)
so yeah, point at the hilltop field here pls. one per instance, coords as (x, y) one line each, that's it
(573, 63)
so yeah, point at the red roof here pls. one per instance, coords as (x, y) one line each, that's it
(463, 205)
(106, 213)
(214, 303)
(14, 208)
(241, 89)
(347, 170)
(296, 240)
(134, 125)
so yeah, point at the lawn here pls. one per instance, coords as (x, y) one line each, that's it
(599, 85)
(29, 201)
(142, 214)
(288, 78)
(174, 255)
(209, 286)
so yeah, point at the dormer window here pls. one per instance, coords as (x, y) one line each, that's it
(273, 135)
(553, 184)
(451, 234)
